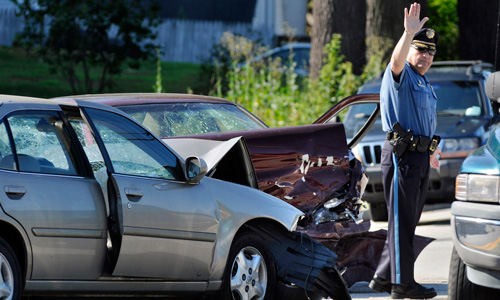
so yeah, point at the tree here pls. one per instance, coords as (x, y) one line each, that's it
(344, 18)
(80, 38)
(478, 30)
(384, 24)
(443, 17)
(322, 31)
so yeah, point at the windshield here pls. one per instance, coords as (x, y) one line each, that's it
(458, 98)
(356, 117)
(189, 118)
(462, 98)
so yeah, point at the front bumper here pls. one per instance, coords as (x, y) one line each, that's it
(476, 237)
(441, 182)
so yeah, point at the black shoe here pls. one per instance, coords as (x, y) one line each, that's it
(380, 285)
(412, 291)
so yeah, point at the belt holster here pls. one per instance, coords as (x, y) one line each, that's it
(401, 140)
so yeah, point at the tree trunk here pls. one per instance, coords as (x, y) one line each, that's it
(338, 16)
(385, 24)
(350, 22)
(477, 21)
(322, 31)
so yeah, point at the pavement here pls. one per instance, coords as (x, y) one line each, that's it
(434, 223)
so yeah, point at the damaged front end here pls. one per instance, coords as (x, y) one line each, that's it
(311, 168)
(306, 268)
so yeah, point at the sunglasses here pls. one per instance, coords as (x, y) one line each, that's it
(425, 49)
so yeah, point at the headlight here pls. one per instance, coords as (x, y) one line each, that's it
(459, 147)
(356, 153)
(475, 187)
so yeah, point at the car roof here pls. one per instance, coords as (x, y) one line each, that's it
(465, 70)
(144, 98)
(295, 45)
(459, 70)
(23, 99)
(41, 103)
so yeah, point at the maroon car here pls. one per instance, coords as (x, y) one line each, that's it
(310, 166)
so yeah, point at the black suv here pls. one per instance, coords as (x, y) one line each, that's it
(465, 116)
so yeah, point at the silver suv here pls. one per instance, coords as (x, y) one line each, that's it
(464, 117)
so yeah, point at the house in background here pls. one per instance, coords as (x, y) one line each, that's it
(191, 27)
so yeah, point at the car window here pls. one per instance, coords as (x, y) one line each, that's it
(5, 148)
(41, 144)
(458, 98)
(89, 144)
(455, 97)
(133, 150)
(300, 56)
(178, 119)
(356, 117)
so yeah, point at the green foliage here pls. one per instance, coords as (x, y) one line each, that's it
(88, 41)
(26, 75)
(443, 17)
(380, 49)
(157, 87)
(274, 92)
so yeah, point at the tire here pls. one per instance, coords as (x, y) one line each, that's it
(243, 276)
(378, 212)
(10, 273)
(459, 286)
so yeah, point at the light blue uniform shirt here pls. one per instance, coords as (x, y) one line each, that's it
(411, 102)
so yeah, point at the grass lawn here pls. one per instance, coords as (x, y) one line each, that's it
(25, 75)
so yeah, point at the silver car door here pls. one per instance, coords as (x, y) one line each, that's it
(168, 227)
(61, 210)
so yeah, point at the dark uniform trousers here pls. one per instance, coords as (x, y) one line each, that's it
(413, 181)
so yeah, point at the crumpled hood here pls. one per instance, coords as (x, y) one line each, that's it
(209, 150)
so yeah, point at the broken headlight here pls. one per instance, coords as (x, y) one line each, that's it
(337, 209)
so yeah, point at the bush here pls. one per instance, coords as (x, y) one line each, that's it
(273, 91)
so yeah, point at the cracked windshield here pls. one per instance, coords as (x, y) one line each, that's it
(178, 119)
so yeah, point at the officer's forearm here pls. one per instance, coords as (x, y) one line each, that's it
(400, 53)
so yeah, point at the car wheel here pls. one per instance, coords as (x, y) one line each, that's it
(459, 286)
(378, 211)
(10, 273)
(250, 272)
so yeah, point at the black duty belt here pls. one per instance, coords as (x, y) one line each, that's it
(417, 143)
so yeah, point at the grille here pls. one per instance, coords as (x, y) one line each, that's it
(371, 153)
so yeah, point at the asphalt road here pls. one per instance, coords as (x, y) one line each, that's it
(432, 265)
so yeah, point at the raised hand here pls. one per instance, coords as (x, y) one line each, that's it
(412, 19)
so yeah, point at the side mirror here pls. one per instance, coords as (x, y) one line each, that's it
(492, 87)
(196, 168)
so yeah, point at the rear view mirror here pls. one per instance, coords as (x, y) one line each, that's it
(493, 87)
(196, 168)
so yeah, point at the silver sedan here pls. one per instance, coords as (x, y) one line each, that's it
(93, 203)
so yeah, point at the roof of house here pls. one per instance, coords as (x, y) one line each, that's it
(215, 10)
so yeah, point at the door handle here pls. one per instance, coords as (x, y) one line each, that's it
(133, 194)
(14, 190)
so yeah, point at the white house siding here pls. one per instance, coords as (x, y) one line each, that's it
(271, 16)
(10, 24)
(191, 41)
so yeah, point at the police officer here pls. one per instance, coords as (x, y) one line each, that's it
(408, 108)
